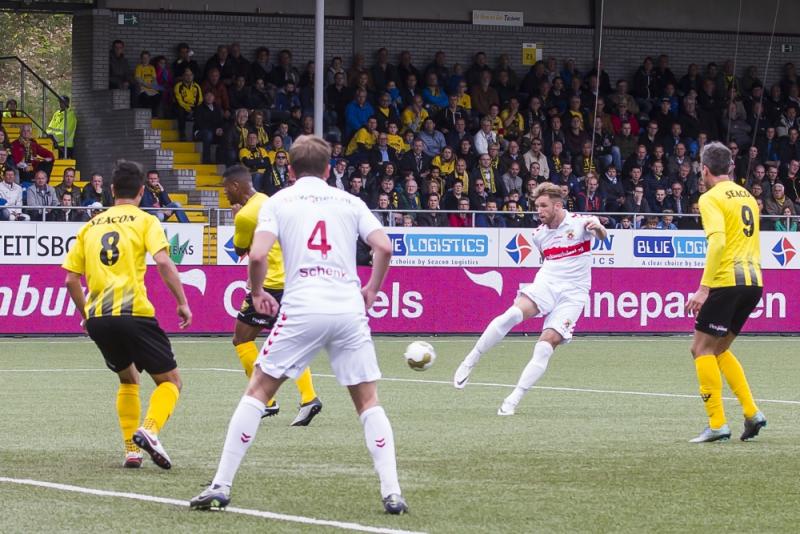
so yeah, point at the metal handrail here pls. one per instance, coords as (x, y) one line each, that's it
(23, 67)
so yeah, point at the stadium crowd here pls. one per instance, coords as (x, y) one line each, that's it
(479, 138)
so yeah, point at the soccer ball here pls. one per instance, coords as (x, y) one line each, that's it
(420, 355)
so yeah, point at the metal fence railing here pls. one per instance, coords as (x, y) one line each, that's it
(214, 217)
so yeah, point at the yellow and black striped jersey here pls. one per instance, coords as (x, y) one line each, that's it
(110, 251)
(729, 208)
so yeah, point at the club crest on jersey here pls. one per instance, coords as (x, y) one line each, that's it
(571, 235)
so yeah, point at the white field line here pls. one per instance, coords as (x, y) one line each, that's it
(440, 382)
(230, 509)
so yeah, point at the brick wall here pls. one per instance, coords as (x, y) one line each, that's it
(623, 49)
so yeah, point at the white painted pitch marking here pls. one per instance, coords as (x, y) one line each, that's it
(176, 502)
(440, 382)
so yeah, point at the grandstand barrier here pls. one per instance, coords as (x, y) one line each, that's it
(438, 300)
(443, 280)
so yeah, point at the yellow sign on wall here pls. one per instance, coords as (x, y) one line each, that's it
(531, 53)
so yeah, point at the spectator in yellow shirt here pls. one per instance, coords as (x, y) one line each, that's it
(414, 115)
(188, 96)
(364, 138)
(256, 159)
(145, 74)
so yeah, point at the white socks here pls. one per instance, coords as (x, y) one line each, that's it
(496, 331)
(241, 433)
(532, 372)
(380, 442)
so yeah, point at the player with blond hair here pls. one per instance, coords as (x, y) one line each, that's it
(558, 292)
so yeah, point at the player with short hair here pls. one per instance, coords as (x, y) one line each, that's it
(729, 291)
(558, 292)
(110, 251)
(324, 306)
(246, 203)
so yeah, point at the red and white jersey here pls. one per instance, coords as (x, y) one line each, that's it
(317, 227)
(566, 251)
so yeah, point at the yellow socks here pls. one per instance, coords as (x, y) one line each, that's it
(162, 403)
(710, 388)
(734, 374)
(306, 386)
(248, 353)
(129, 410)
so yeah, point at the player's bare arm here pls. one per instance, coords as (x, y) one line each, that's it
(75, 290)
(257, 271)
(381, 255)
(597, 229)
(169, 274)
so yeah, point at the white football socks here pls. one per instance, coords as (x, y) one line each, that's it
(532, 372)
(380, 442)
(494, 333)
(241, 433)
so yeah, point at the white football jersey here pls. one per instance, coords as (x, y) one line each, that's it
(317, 227)
(567, 251)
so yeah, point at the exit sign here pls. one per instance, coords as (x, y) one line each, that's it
(127, 19)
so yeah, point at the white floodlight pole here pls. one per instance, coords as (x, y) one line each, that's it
(319, 66)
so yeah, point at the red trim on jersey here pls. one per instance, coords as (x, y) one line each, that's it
(557, 253)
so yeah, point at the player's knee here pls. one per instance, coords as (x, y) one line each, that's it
(552, 337)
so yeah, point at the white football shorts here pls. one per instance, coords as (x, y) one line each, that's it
(561, 305)
(295, 341)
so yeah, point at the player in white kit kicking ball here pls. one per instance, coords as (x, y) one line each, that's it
(558, 292)
(323, 306)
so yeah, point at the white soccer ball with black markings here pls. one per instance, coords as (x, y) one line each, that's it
(420, 355)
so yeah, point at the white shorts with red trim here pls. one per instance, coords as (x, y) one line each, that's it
(295, 341)
(561, 305)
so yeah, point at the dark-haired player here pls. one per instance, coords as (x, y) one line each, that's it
(729, 291)
(110, 252)
(246, 202)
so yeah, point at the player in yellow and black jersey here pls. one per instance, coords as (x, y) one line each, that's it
(110, 252)
(246, 204)
(729, 291)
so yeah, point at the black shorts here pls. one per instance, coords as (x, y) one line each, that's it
(726, 309)
(127, 340)
(249, 315)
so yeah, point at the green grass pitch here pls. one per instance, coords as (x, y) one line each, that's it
(583, 454)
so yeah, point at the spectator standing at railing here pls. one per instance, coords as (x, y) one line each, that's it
(490, 220)
(666, 222)
(155, 196)
(637, 203)
(434, 217)
(67, 185)
(40, 194)
(409, 198)
(61, 118)
(96, 191)
(692, 221)
(787, 223)
(29, 156)
(11, 194)
(513, 215)
(69, 214)
(462, 219)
